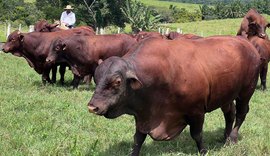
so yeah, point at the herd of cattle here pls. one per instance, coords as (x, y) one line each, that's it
(165, 82)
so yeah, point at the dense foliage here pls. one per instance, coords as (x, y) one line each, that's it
(102, 13)
(234, 9)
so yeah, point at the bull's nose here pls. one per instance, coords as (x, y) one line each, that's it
(48, 60)
(262, 35)
(92, 109)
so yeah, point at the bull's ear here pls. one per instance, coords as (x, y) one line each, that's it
(64, 46)
(133, 80)
(21, 37)
(51, 26)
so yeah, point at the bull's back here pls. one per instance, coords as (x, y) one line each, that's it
(212, 70)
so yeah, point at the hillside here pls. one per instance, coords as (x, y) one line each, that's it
(166, 4)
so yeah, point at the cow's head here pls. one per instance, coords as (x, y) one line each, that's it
(116, 81)
(257, 27)
(44, 26)
(14, 43)
(56, 49)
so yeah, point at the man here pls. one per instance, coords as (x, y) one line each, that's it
(68, 17)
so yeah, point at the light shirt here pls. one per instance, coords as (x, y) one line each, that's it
(68, 18)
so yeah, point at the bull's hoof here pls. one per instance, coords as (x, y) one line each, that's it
(203, 152)
(232, 139)
(263, 88)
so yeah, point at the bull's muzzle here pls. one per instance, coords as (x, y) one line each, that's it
(48, 60)
(262, 35)
(92, 109)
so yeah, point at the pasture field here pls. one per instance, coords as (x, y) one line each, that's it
(211, 27)
(53, 120)
(166, 4)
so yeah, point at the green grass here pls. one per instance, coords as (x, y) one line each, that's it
(166, 4)
(209, 28)
(53, 120)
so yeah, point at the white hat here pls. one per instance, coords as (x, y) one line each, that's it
(68, 7)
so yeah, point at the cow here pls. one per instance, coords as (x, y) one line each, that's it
(176, 35)
(169, 84)
(82, 53)
(253, 24)
(44, 26)
(34, 47)
(263, 47)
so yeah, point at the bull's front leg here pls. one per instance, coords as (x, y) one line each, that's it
(138, 141)
(45, 77)
(54, 70)
(196, 125)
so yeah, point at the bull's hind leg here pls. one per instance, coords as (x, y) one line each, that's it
(263, 74)
(196, 125)
(242, 108)
(229, 115)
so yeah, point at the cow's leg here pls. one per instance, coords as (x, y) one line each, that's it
(87, 79)
(46, 76)
(242, 109)
(196, 125)
(62, 71)
(229, 115)
(76, 81)
(138, 141)
(263, 74)
(54, 70)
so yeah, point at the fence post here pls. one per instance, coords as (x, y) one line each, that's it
(167, 31)
(20, 27)
(119, 30)
(31, 28)
(178, 30)
(8, 29)
(97, 31)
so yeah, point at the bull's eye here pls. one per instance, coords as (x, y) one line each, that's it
(116, 83)
(57, 48)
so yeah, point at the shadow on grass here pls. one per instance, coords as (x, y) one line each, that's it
(183, 144)
(67, 85)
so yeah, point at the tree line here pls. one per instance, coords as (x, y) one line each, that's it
(102, 13)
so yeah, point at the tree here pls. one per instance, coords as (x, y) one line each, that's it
(139, 16)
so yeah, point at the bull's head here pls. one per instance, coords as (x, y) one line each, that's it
(56, 49)
(14, 43)
(257, 27)
(116, 81)
(44, 26)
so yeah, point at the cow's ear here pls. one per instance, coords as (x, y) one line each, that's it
(133, 80)
(52, 26)
(64, 46)
(20, 36)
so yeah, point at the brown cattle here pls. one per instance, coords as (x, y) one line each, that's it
(82, 53)
(176, 35)
(253, 24)
(263, 47)
(34, 47)
(169, 84)
(44, 26)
